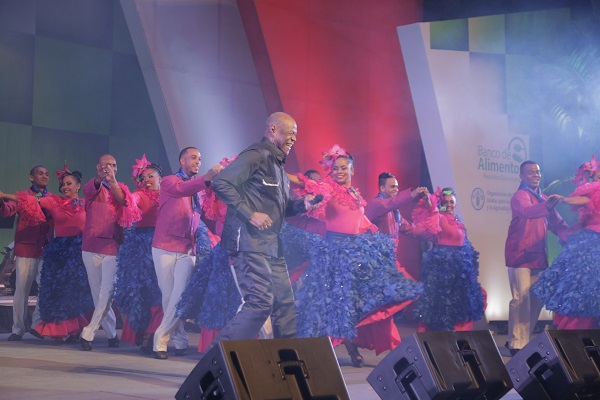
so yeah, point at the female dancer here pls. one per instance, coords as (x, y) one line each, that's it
(66, 295)
(452, 298)
(352, 289)
(136, 290)
(569, 286)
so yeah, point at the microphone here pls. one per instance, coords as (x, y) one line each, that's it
(318, 198)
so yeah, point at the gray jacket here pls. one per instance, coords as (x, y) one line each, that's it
(255, 182)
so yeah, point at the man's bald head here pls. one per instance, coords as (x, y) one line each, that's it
(106, 160)
(281, 130)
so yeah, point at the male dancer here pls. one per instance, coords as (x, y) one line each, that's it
(29, 242)
(173, 244)
(255, 188)
(105, 199)
(526, 253)
(383, 209)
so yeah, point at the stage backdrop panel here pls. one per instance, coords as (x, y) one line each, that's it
(71, 88)
(200, 75)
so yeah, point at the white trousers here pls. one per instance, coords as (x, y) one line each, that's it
(524, 308)
(101, 271)
(27, 269)
(173, 271)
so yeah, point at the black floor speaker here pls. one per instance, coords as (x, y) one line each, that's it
(442, 365)
(267, 369)
(558, 365)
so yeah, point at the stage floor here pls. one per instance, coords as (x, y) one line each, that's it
(34, 368)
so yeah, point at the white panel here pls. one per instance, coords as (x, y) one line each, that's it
(200, 75)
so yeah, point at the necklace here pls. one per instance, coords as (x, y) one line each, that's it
(352, 192)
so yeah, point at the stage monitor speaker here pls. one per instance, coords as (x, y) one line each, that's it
(558, 365)
(267, 369)
(442, 365)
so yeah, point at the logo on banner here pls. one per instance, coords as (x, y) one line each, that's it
(517, 149)
(498, 164)
(477, 198)
(504, 161)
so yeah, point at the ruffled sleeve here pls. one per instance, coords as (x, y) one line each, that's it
(129, 213)
(315, 188)
(590, 190)
(213, 208)
(135, 197)
(29, 209)
(426, 219)
(587, 189)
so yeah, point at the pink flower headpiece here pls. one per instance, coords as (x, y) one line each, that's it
(585, 172)
(226, 161)
(330, 156)
(138, 168)
(61, 172)
(439, 194)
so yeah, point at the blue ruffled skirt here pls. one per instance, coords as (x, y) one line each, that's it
(452, 293)
(349, 277)
(211, 296)
(136, 287)
(65, 292)
(202, 242)
(297, 244)
(570, 286)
